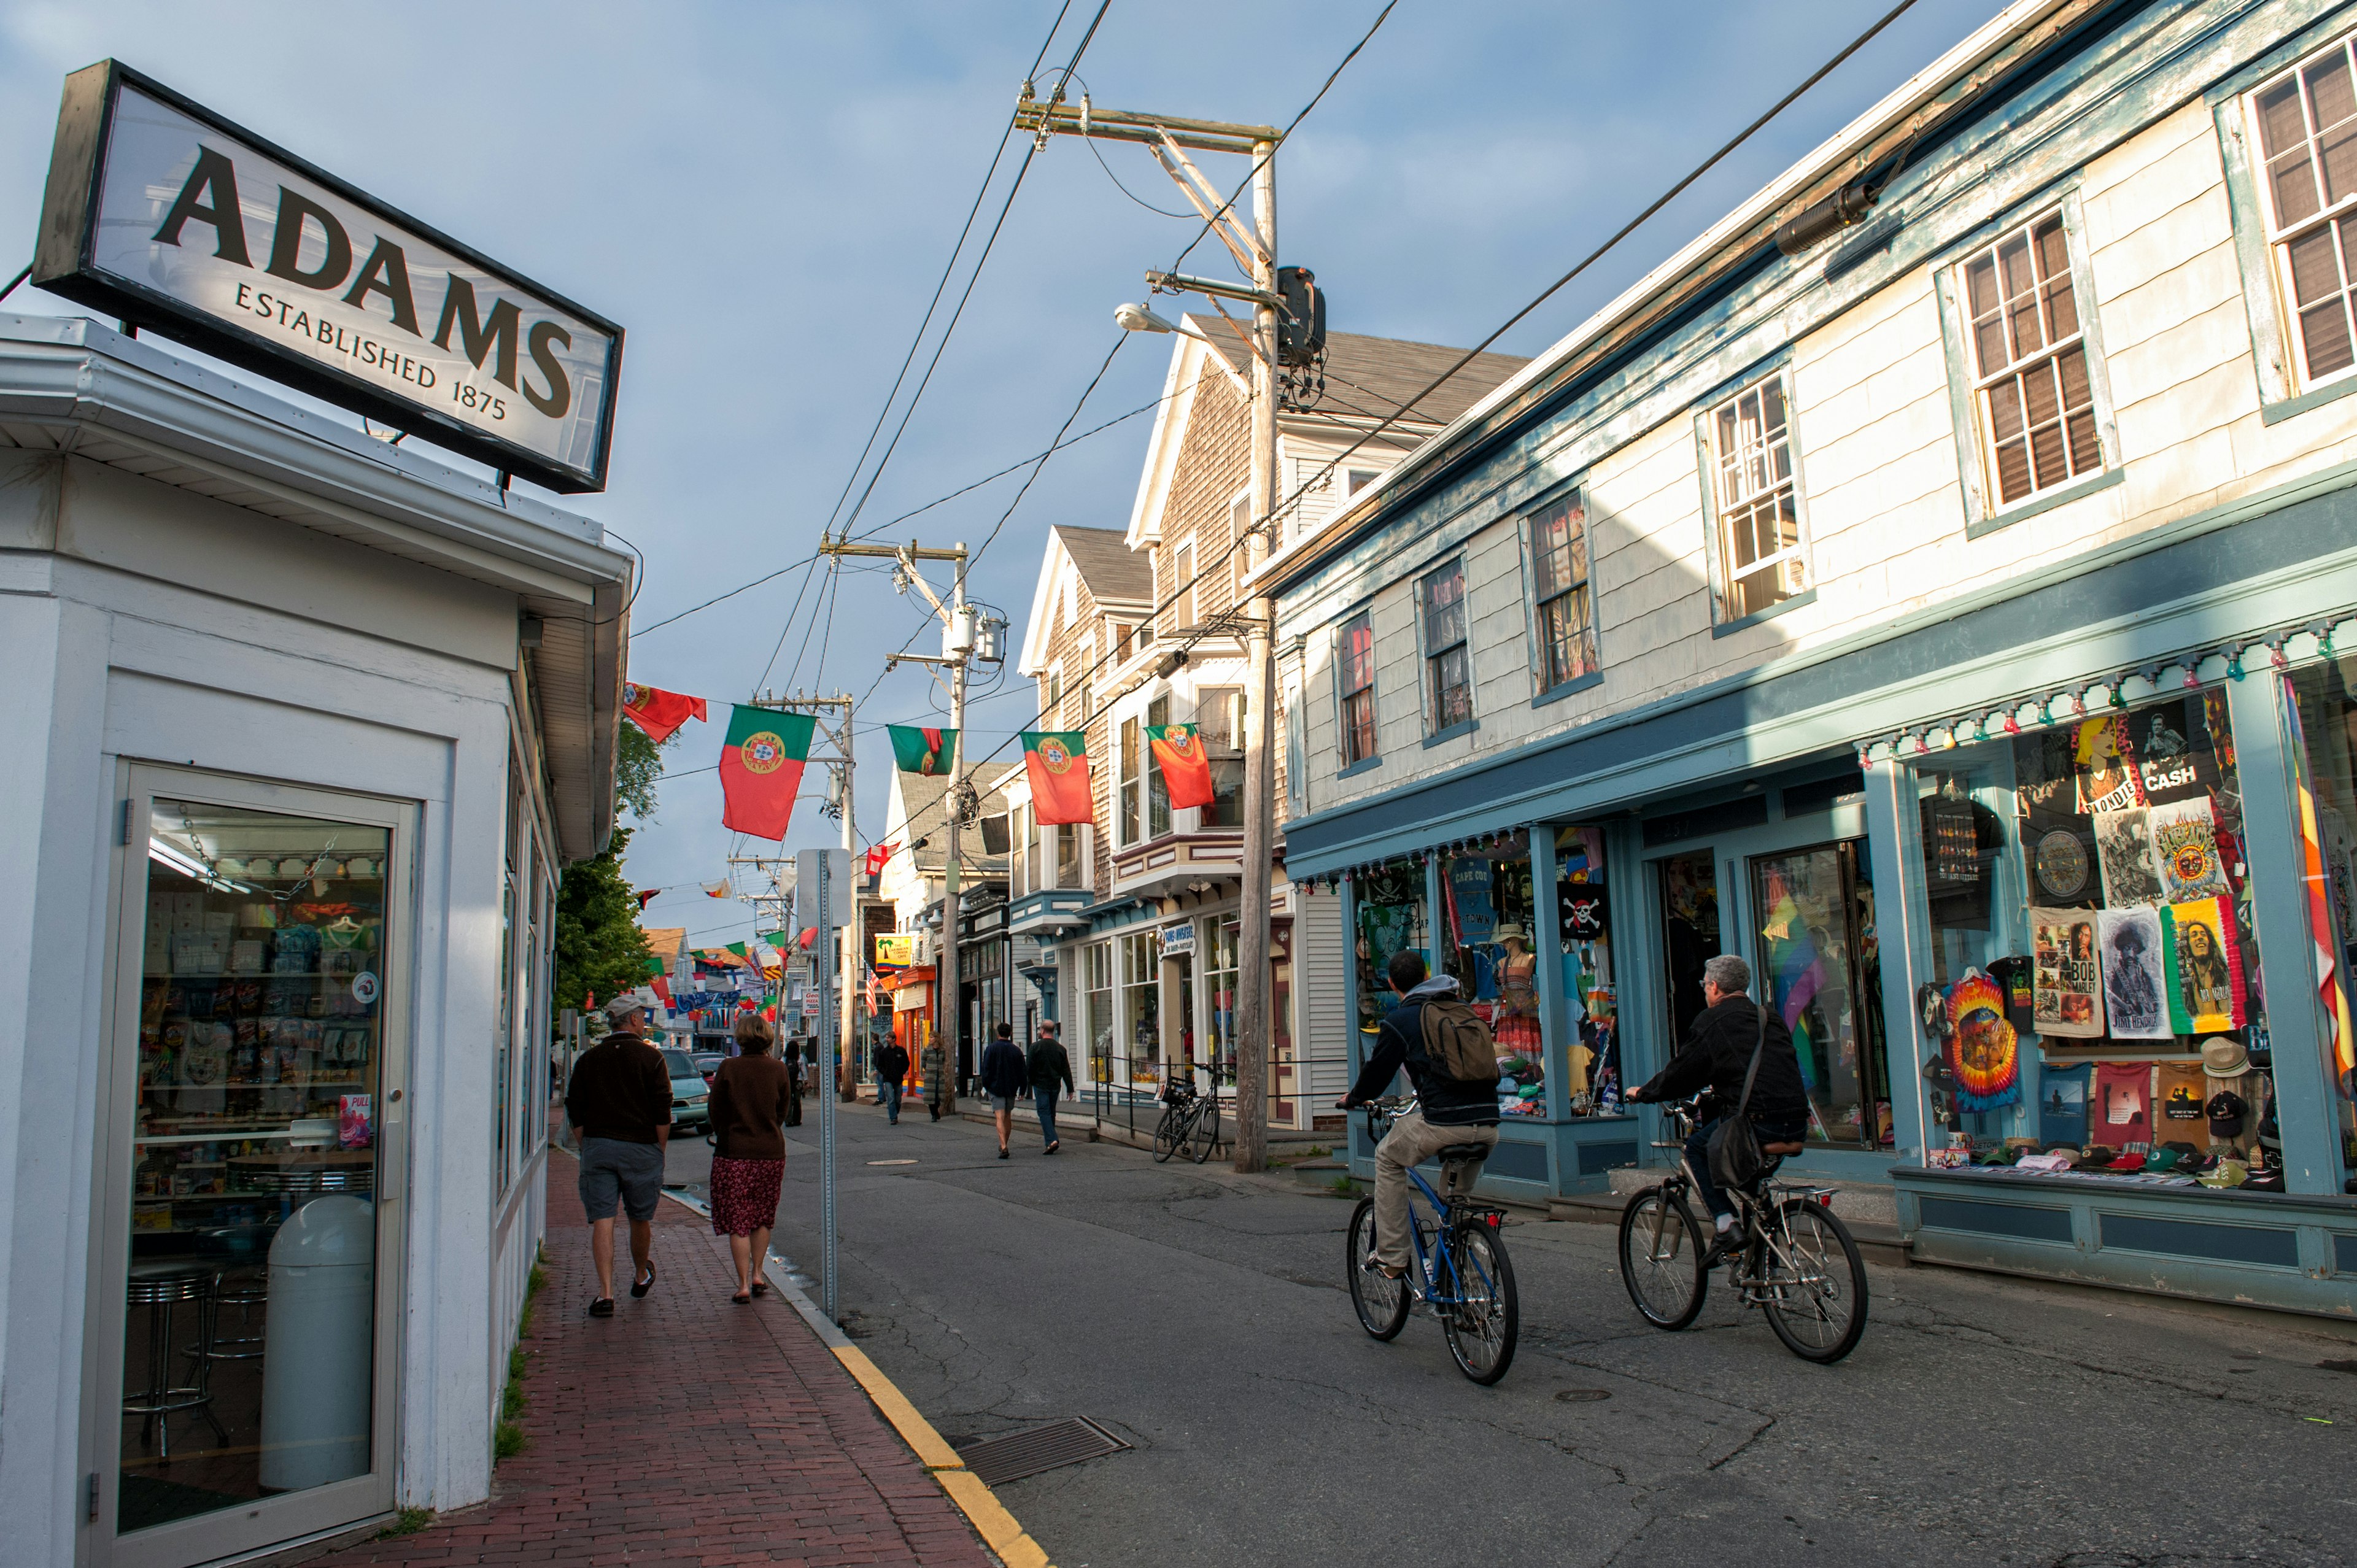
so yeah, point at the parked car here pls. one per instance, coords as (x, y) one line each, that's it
(690, 1094)
(708, 1062)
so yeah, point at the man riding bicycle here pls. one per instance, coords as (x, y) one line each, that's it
(1450, 1110)
(1717, 1057)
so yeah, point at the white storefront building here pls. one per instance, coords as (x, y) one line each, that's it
(306, 724)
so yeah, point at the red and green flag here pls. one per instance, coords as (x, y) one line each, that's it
(657, 711)
(1186, 771)
(761, 770)
(1057, 763)
(920, 751)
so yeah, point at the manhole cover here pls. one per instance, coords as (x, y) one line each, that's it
(1577, 1396)
(891, 1162)
(996, 1460)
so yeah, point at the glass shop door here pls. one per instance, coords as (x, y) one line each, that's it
(245, 1276)
(1688, 884)
(1815, 951)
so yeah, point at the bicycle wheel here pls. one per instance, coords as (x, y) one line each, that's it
(1381, 1302)
(1168, 1133)
(1816, 1284)
(1661, 1258)
(1206, 1135)
(1482, 1328)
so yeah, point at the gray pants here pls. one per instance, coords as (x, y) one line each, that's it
(1411, 1142)
(615, 1172)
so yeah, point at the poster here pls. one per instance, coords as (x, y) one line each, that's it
(2135, 974)
(2185, 851)
(2124, 847)
(2106, 767)
(2067, 985)
(2205, 967)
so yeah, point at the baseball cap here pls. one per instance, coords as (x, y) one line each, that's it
(629, 1004)
(2226, 1110)
(2130, 1161)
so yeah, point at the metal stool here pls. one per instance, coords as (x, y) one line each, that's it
(247, 1289)
(161, 1286)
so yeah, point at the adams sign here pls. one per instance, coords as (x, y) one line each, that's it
(167, 215)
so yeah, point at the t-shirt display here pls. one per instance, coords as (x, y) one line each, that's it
(2067, 979)
(2122, 1112)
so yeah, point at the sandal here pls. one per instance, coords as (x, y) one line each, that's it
(761, 1287)
(602, 1307)
(743, 1298)
(641, 1287)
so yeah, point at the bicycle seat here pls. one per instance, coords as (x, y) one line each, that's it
(1793, 1147)
(1463, 1152)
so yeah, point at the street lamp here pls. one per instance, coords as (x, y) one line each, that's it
(1137, 318)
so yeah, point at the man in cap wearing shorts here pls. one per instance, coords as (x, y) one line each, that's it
(620, 1102)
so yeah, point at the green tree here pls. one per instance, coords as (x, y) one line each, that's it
(600, 950)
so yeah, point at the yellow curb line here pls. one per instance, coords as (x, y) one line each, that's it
(997, 1528)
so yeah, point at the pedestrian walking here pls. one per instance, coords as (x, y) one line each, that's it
(750, 1097)
(1050, 1067)
(619, 1100)
(932, 1067)
(1005, 1076)
(891, 1077)
(793, 1068)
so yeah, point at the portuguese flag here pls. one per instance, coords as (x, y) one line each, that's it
(761, 770)
(1186, 771)
(1057, 762)
(925, 751)
(658, 713)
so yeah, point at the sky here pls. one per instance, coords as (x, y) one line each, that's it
(766, 194)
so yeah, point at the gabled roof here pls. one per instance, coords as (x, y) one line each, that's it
(1376, 377)
(1116, 576)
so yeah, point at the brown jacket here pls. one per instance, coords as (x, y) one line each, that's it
(748, 1107)
(620, 1089)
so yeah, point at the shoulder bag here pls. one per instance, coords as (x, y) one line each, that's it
(1736, 1160)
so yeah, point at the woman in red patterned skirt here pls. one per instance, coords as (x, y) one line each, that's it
(748, 1163)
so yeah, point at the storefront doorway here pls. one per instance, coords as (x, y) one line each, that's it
(245, 1275)
(1688, 884)
(1813, 936)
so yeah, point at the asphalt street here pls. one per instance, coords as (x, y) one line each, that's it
(1202, 1316)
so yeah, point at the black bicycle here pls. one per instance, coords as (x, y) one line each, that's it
(1460, 1273)
(1190, 1120)
(1798, 1263)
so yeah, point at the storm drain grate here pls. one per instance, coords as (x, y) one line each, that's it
(996, 1460)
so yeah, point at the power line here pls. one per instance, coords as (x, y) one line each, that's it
(941, 344)
(1205, 567)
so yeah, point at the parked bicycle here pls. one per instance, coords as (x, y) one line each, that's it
(1460, 1273)
(1190, 1120)
(1798, 1263)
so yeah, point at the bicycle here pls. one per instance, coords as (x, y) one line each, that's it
(1462, 1271)
(1190, 1120)
(1798, 1263)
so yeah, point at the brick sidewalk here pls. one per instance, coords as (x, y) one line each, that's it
(686, 1430)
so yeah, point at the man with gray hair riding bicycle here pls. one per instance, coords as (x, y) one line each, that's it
(1717, 1055)
(1449, 1110)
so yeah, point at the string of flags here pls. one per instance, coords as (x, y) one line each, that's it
(765, 751)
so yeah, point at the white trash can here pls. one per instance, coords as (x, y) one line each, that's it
(317, 1342)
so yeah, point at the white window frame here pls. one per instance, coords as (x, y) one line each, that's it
(1544, 678)
(1240, 516)
(1429, 660)
(1183, 599)
(1987, 384)
(1723, 470)
(2329, 216)
(1344, 730)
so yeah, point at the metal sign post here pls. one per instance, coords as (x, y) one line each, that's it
(823, 955)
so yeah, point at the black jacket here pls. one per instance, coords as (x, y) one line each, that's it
(891, 1063)
(1718, 1053)
(1049, 1065)
(1004, 1071)
(1399, 1042)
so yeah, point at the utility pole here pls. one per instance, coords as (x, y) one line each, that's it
(1254, 250)
(957, 652)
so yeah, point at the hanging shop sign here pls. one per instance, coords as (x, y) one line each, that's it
(1179, 941)
(174, 219)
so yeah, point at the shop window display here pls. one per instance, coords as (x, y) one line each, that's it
(2325, 699)
(1392, 918)
(1820, 968)
(1488, 917)
(1591, 1059)
(1141, 1007)
(254, 1154)
(2097, 998)
(1097, 972)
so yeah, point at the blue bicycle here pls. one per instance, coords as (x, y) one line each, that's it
(1461, 1273)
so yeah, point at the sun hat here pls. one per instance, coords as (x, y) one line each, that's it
(2223, 1058)
(1510, 930)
